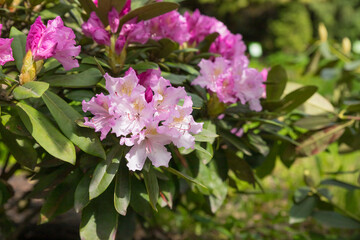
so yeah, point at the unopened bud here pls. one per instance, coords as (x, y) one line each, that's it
(323, 34)
(28, 70)
(346, 45)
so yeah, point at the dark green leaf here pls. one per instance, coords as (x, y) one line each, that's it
(315, 122)
(296, 98)
(181, 175)
(18, 46)
(99, 220)
(14, 125)
(300, 211)
(61, 199)
(80, 95)
(268, 165)
(185, 67)
(20, 147)
(336, 220)
(204, 46)
(174, 78)
(65, 116)
(122, 189)
(105, 171)
(46, 134)
(235, 141)
(58, 10)
(167, 46)
(139, 198)
(88, 78)
(275, 83)
(143, 66)
(334, 182)
(149, 11)
(30, 90)
(152, 187)
(240, 167)
(81, 195)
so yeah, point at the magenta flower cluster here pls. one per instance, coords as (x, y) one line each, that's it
(54, 40)
(6, 54)
(228, 76)
(147, 113)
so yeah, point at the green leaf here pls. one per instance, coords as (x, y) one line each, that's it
(61, 199)
(204, 46)
(167, 46)
(315, 105)
(336, 220)
(14, 125)
(30, 90)
(206, 136)
(181, 175)
(18, 46)
(204, 154)
(275, 83)
(99, 220)
(122, 189)
(88, 6)
(143, 66)
(152, 187)
(105, 171)
(185, 67)
(258, 143)
(296, 98)
(88, 78)
(235, 141)
(20, 147)
(139, 198)
(167, 193)
(80, 95)
(46, 134)
(268, 165)
(81, 196)
(58, 10)
(174, 78)
(315, 122)
(218, 187)
(334, 182)
(240, 167)
(300, 211)
(149, 11)
(320, 140)
(65, 116)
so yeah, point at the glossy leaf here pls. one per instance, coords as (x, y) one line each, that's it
(336, 220)
(61, 199)
(65, 116)
(315, 122)
(275, 83)
(81, 196)
(18, 46)
(143, 66)
(46, 134)
(122, 189)
(338, 183)
(296, 98)
(300, 211)
(240, 167)
(99, 220)
(85, 79)
(204, 46)
(30, 90)
(152, 187)
(184, 176)
(20, 147)
(105, 171)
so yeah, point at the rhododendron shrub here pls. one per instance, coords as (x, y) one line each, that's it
(132, 109)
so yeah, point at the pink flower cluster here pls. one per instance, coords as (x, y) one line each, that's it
(6, 54)
(54, 40)
(145, 112)
(232, 81)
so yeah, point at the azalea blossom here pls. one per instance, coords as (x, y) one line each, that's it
(143, 110)
(95, 29)
(232, 81)
(170, 25)
(54, 40)
(6, 54)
